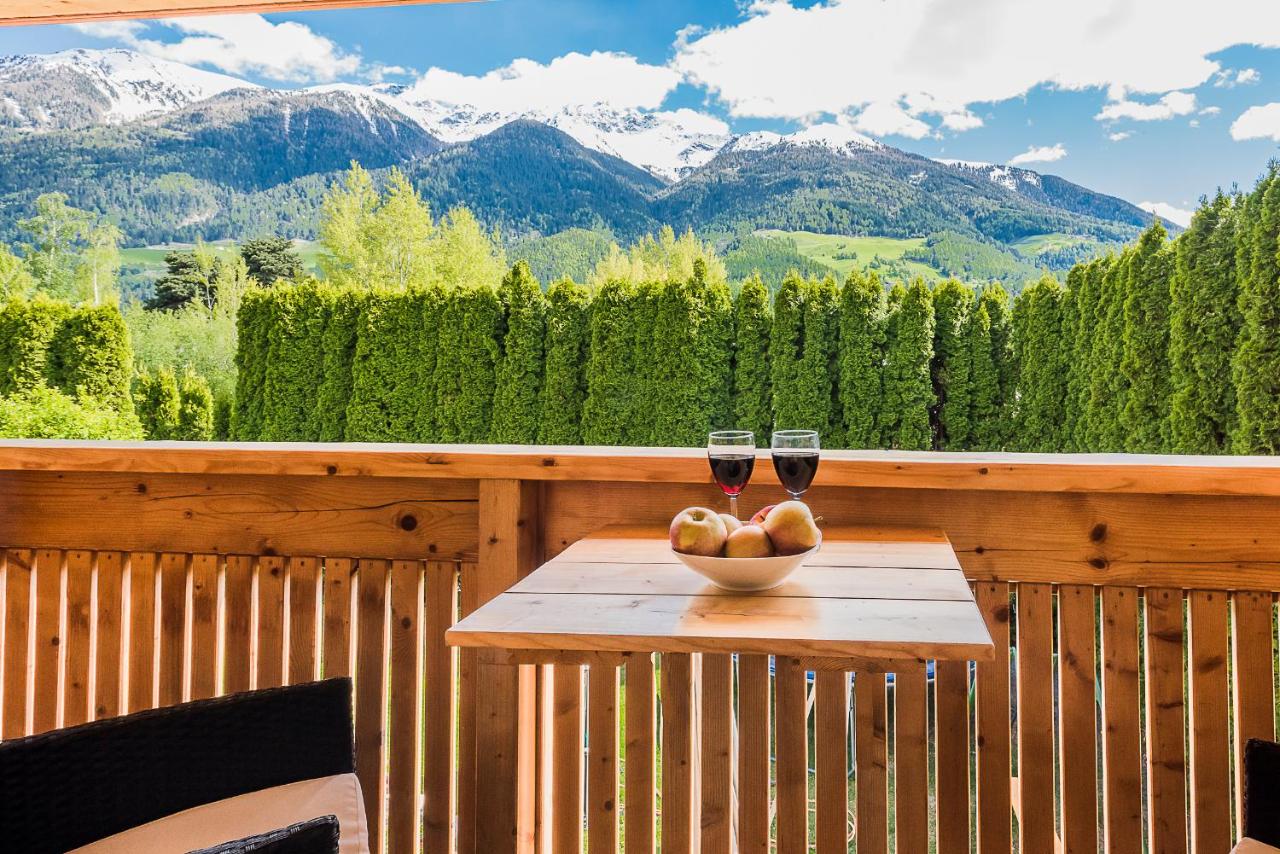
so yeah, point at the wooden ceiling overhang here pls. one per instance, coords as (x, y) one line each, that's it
(19, 12)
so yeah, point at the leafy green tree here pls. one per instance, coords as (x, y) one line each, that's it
(993, 369)
(159, 404)
(55, 238)
(467, 363)
(195, 409)
(518, 396)
(27, 330)
(346, 215)
(15, 279)
(99, 263)
(463, 254)
(1040, 351)
(908, 386)
(952, 366)
(1108, 387)
(1145, 359)
(40, 412)
(1256, 364)
(660, 258)
(394, 370)
(1204, 319)
(565, 386)
(611, 376)
(90, 355)
(752, 393)
(271, 259)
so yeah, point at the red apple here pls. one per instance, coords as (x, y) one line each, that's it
(791, 527)
(698, 531)
(748, 541)
(760, 514)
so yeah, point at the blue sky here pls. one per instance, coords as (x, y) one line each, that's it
(1152, 100)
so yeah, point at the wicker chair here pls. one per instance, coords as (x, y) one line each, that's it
(1261, 797)
(66, 788)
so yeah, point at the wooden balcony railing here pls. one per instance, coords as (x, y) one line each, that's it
(1132, 600)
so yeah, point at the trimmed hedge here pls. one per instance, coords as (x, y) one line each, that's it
(82, 352)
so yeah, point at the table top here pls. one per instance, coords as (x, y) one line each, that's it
(887, 595)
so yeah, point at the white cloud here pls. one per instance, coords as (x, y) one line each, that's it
(1260, 122)
(1172, 104)
(1039, 154)
(961, 121)
(1228, 77)
(114, 30)
(885, 119)
(1210, 111)
(575, 79)
(1174, 214)
(1119, 136)
(939, 58)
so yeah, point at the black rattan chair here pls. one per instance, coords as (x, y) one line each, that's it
(1262, 792)
(66, 788)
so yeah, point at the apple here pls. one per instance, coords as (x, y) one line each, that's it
(698, 531)
(761, 513)
(731, 523)
(791, 527)
(748, 541)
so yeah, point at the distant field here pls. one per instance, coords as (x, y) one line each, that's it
(854, 251)
(152, 257)
(1029, 247)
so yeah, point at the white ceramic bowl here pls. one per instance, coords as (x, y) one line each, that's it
(746, 574)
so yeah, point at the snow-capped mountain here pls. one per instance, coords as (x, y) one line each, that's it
(99, 87)
(1009, 177)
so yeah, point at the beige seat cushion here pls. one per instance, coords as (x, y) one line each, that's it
(1250, 846)
(247, 815)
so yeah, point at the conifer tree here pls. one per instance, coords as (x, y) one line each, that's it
(467, 363)
(984, 381)
(195, 409)
(908, 386)
(951, 366)
(1256, 364)
(253, 323)
(565, 384)
(1085, 283)
(1067, 343)
(159, 404)
(342, 314)
(27, 330)
(1038, 347)
(786, 353)
(294, 364)
(993, 374)
(611, 378)
(1145, 359)
(394, 366)
(640, 420)
(752, 392)
(90, 354)
(517, 398)
(863, 315)
(1204, 319)
(820, 368)
(1107, 385)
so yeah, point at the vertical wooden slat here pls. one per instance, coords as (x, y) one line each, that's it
(302, 619)
(142, 630)
(75, 670)
(566, 759)
(371, 671)
(1210, 748)
(911, 761)
(716, 758)
(831, 715)
(871, 758)
(1121, 753)
(48, 634)
(753, 754)
(173, 627)
(639, 805)
(994, 828)
(17, 619)
(1077, 695)
(439, 711)
(237, 624)
(951, 716)
(677, 753)
(468, 601)
(268, 631)
(1253, 681)
(1166, 756)
(403, 744)
(602, 762)
(204, 626)
(792, 763)
(337, 617)
(1035, 716)
(108, 662)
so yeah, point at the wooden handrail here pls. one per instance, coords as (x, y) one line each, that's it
(1003, 472)
(19, 12)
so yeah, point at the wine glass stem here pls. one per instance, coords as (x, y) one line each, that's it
(733, 506)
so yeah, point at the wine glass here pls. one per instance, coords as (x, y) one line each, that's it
(732, 455)
(795, 459)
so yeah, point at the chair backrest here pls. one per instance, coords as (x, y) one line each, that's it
(63, 789)
(1262, 791)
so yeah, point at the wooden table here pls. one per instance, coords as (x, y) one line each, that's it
(872, 600)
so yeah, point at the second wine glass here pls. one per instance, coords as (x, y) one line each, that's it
(732, 455)
(795, 459)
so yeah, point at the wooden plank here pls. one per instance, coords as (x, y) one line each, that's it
(338, 572)
(1121, 753)
(30, 12)
(1077, 692)
(47, 653)
(468, 601)
(108, 656)
(1166, 755)
(677, 754)
(831, 716)
(638, 809)
(391, 517)
(440, 710)
(716, 755)
(790, 746)
(268, 627)
(911, 761)
(371, 697)
(74, 690)
(951, 716)
(995, 830)
(142, 631)
(204, 627)
(237, 624)
(403, 744)
(1253, 683)
(1035, 716)
(172, 617)
(302, 605)
(1210, 747)
(566, 760)
(602, 760)
(17, 653)
(753, 754)
(871, 759)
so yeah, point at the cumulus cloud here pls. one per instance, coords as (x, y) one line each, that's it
(113, 30)
(1039, 154)
(1260, 122)
(1172, 104)
(1210, 111)
(961, 121)
(575, 79)
(1229, 77)
(1174, 214)
(1119, 136)
(885, 119)
(939, 58)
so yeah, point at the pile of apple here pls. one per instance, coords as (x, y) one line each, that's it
(779, 529)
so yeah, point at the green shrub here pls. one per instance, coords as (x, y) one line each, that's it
(805, 357)
(338, 343)
(908, 386)
(611, 374)
(295, 364)
(467, 363)
(27, 328)
(517, 399)
(195, 410)
(40, 412)
(952, 366)
(752, 392)
(90, 353)
(565, 387)
(862, 339)
(392, 373)
(222, 407)
(159, 404)
(254, 321)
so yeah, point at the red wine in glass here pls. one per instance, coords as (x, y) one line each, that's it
(795, 459)
(732, 455)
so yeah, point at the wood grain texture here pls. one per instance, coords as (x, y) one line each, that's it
(1210, 747)
(911, 762)
(440, 709)
(602, 760)
(871, 759)
(831, 716)
(28, 12)
(1166, 752)
(203, 674)
(790, 747)
(951, 716)
(237, 624)
(109, 655)
(142, 630)
(404, 745)
(754, 736)
(1254, 683)
(468, 601)
(677, 754)
(172, 617)
(338, 574)
(18, 583)
(1121, 751)
(716, 754)
(301, 603)
(1035, 716)
(1077, 689)
(994, 828)
(74, 689)
(46, 653)
(370, 687)
(566, 769)
(268, 629)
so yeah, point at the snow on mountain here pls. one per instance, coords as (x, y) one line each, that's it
(99, 86)
(1009, 177)
(836, 137)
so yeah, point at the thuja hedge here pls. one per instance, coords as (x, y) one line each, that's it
(82, 352)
